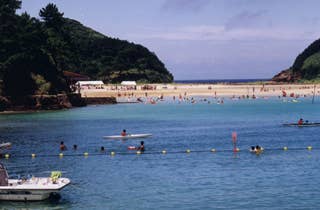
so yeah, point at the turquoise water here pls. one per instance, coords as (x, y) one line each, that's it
(276, 179)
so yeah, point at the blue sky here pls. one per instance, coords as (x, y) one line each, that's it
(204, 39)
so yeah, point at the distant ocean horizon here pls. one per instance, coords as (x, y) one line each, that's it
(214, 81)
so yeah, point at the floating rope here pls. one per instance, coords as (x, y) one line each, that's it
(188, 151)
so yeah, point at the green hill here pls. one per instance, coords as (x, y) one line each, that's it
(306, 66)
(109, 59)
(34, 53)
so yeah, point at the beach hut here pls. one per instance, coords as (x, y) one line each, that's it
(129, 85)
(90, 83)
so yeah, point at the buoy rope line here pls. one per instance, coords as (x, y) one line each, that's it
(187, 151)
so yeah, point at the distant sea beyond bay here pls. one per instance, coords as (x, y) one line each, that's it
(215, 81)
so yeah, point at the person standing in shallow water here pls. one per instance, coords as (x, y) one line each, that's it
(141, 147)
(124, 132)
(102, 149)
(62, 146)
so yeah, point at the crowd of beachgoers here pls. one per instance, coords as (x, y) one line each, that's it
(188, 92)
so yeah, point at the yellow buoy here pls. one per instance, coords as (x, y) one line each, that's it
(33, 155)
(61, 155)
(164, 151)
(213, 150)
(138, 152)
(7, 156)
(188, 151)
(85, 154)
(309, 147)
(285, 148)
(113, 153)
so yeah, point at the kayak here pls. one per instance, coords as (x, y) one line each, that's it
(129, 136)
(302, 125)
(5, 145)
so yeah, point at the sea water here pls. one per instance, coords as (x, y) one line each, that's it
(275, 179)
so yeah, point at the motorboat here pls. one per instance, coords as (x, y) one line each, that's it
(33, 189)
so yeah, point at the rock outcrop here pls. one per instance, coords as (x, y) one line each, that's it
(286, 76)
(306, 66)
(41, 102)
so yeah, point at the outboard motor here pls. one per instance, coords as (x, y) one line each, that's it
(3, 176)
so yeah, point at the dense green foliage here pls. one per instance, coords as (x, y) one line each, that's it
(26, 55)
(111, 60)
(307, 64)
(34, 53)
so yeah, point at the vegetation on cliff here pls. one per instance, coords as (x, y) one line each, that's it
(306, 66)
(34, 53)
(109, 59)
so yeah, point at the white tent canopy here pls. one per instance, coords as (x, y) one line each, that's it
(129, 83)
(89, 83)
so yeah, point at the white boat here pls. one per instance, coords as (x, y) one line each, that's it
(33, 189)
(5, 145)
(129, 136)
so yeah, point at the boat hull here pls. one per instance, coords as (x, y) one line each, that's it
(25, 195)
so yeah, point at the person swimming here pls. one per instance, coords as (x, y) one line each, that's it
(124, 132)
(257, 149)
(102, 149)
(141, 147)
(62, 146)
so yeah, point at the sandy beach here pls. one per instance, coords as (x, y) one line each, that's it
(215, 90)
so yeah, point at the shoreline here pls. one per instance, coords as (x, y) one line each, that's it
(215, 90)
(109, 95)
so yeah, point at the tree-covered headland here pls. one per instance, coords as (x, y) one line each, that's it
(35, 52)
(305, 68)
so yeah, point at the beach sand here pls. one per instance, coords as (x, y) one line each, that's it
(214, 90)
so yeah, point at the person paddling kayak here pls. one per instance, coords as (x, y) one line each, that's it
(300, 122)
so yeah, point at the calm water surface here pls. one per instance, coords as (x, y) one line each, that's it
(276, 179)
